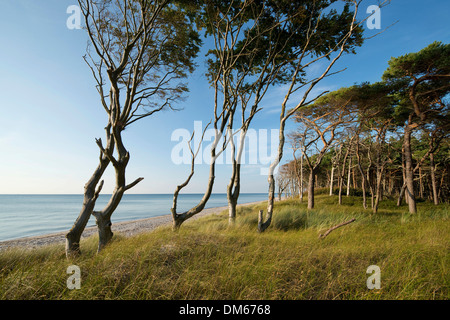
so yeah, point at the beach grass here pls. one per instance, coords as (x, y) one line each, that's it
(209, 259)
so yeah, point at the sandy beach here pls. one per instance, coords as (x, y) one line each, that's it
(126, 228)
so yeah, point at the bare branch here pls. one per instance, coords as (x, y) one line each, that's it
(105, 152)
(135, 182)
(322, 236)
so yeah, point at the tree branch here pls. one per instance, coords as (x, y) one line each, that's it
(135, 182)
(106, 153)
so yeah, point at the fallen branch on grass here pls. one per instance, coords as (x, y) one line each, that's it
(321, 236)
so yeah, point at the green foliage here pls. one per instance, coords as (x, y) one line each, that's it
(149, 47)
(182, 42)
(423, 81)
(433, 60)
(277, 30)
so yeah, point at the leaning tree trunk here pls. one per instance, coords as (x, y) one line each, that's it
(433, 179)
(363, 186)
(299, 176)
(401, 194)
(403, 188)
(349, 176)
(263, 225)
(342, 173)
(73, 237)
(301, 179)
(233, 188)
(312, 178)
(409, 173)
(341, 183)
(441, 194)
(378, 189)
(379, 171)
(363, 177)
(179, 218)
(371, 189)
(233, 194)
(420, 183)
(103, 217)
(331, 179)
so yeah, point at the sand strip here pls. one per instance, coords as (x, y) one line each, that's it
(126, 228)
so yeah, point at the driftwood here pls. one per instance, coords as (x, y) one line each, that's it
(322, 236)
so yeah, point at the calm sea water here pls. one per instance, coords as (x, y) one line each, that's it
(32, 215)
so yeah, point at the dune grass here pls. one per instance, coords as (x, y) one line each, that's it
(208, 259)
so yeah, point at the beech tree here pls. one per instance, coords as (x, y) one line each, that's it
(247, 57)
(224, 21)
(297, 141)
(283, 178)
(319, 35)
(139, 52)
(238, 29)
(252, 52)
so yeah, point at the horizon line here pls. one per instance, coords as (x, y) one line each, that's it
(78, 194)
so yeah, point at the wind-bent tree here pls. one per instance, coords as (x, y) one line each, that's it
(382, 110)
(249, 54)
(375, 104)
(240, 69)
(139, 52)
(348, 144)
(269, 55)
(320, 33)
(223, 20)
(283, 178)
(237, 27)
(434, 136)
(297, 142)
(438, 152)
(425, 77)
(320, 122)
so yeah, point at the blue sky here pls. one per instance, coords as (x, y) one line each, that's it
(50, 113)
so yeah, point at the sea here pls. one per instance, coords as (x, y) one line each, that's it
(38, 214)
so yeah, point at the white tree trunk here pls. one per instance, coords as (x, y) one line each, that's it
(331, 180)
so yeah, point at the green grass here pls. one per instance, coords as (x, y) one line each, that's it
(208, 259)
